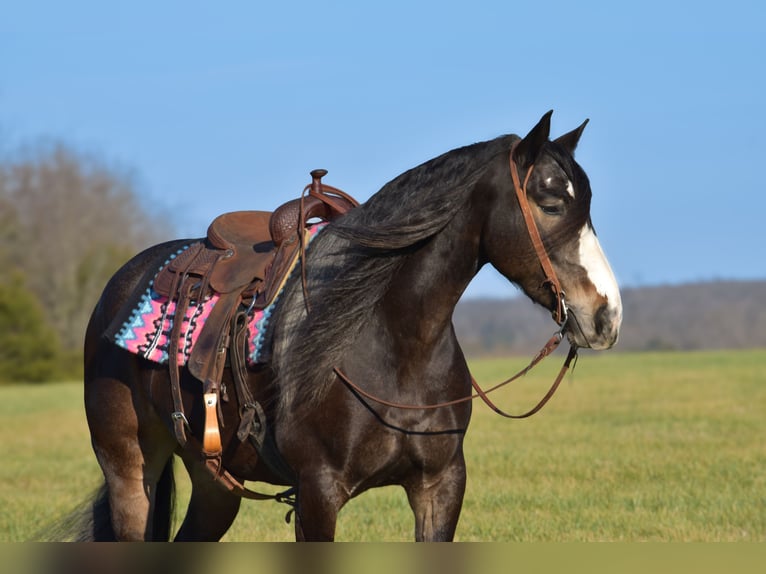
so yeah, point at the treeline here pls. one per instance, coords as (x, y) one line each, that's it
(710, 315)
(67, 222)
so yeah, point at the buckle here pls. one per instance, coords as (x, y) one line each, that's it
(179, 416)
(562, 311)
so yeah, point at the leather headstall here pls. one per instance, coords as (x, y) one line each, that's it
(537, 242)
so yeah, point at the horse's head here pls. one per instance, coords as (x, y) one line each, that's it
(558, 195)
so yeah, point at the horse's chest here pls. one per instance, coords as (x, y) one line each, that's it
(393, 457)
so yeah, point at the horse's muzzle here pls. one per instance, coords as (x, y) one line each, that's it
(599, 331)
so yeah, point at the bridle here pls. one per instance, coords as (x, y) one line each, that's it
(561, 316)
(551, 279)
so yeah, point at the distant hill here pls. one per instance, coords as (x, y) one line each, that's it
(714, 315)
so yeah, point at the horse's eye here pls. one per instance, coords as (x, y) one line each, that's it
(552, 209)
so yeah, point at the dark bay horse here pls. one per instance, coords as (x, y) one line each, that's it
(383, 282)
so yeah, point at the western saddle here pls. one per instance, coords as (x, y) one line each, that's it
(245, 259)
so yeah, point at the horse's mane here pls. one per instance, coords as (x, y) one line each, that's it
(352, 262)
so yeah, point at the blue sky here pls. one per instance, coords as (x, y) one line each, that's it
(218, 106)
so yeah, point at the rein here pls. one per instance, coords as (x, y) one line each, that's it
(547, 349)
(561, 317)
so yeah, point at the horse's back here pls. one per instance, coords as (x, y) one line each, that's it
(127, 280)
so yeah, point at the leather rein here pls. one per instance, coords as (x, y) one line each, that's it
(560, 316)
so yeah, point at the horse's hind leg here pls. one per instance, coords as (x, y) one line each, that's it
(133, 448)
(211, 510)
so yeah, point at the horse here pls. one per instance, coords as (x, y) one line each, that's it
(373, 306)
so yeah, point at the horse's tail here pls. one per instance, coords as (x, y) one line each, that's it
(91, 521)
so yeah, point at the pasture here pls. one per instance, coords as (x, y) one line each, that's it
(633, 447)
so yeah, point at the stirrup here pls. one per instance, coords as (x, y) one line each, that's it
(211, 438)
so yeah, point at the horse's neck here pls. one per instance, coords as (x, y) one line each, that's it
(430, 284)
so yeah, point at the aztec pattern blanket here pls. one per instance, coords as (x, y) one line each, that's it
(146, 332)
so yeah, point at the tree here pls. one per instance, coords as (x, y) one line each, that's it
(29, 347)
(68, 222)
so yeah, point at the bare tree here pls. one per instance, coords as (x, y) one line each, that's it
(68, 222)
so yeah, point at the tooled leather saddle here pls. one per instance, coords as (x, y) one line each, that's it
(245, 259)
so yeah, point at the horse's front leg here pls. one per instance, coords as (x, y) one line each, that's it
(320, 498)
(436, 501)
(212, 509)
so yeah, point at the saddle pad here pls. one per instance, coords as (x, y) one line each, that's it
(146, 332)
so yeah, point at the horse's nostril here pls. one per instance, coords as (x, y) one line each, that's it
(606, 324)
(605, 320)
(602, 319)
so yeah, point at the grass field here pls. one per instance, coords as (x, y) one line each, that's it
(634, 447)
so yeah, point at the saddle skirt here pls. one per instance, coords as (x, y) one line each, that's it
(147, 329)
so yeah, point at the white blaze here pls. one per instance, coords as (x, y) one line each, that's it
(594, 261)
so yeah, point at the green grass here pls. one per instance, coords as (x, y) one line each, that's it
(633, 447)
(636, 447)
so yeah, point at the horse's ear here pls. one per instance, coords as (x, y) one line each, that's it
(529, 147)
(570, 140)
